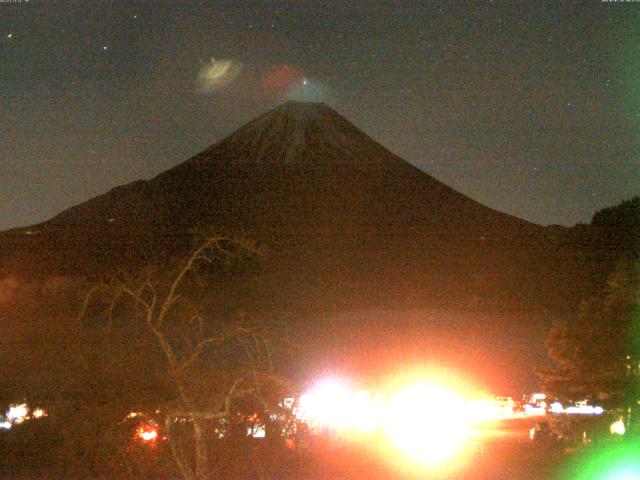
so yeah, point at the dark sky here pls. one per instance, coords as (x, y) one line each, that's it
(532, 109)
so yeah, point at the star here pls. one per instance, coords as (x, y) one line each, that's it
(104, 47)
(10, 35)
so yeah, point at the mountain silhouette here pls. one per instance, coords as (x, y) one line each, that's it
(348, 226)
(339, 213)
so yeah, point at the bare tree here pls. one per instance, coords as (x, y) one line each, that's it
(218, 370)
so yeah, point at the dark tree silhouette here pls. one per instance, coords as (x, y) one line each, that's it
(217, 373)
(596, 354)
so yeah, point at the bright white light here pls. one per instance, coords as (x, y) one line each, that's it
(17, 413)
(618, 428)
(365, 411)
(480, 411)
(325, 405)
(534, 411)
(332, 404)
(147, 434)
(505, 406)
(257, 431)
(426, 422)
(629, 473)
(584, 410)
(5, 425)
(556, 407)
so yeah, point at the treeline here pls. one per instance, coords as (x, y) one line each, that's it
(595, 352)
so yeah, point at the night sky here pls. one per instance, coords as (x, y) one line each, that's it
(531, 109)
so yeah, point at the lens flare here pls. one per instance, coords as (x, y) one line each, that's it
(620, 461)
(279, 79)
(419, 422)
(217, 74)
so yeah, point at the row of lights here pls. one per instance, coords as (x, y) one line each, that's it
(17, 414)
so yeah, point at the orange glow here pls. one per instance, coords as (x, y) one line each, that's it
(39, 413)
(326, 405)
(335, 405)
(426, 422)
(480, 411)
(424, 417)
(147, 434)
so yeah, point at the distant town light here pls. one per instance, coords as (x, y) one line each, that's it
(147, 434)
(556, 407)
(257, 431)
(17, 413)
(584, 410)
(534, 411)
(39, 413)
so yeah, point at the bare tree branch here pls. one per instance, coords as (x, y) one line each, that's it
(205, 391)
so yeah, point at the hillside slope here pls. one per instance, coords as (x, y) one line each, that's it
(346, 222)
